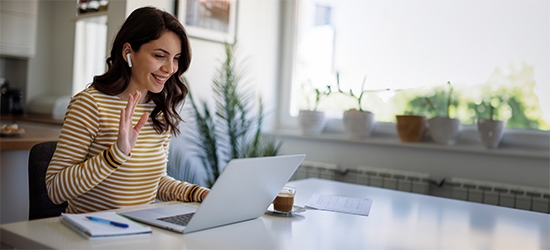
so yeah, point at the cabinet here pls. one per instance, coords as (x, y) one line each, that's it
(18, 28)
(14, 158)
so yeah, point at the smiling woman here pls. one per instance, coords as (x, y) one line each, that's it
(113, 147)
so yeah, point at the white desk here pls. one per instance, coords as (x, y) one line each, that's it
(397, 220)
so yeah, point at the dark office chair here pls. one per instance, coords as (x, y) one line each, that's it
(40, 205)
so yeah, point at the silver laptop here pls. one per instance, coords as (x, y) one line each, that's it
(243, 191)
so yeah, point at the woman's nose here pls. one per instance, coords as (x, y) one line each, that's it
(170, 67)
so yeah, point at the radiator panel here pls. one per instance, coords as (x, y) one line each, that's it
(499, 194)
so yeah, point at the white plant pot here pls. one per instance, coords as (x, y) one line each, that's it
(358, 124)
(490, 132)
(444, 130)
(311, 122)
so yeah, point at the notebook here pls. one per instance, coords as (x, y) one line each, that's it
(243, 191)
(103, 225)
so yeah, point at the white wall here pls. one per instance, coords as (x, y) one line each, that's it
(63, 43)
(51, 69)
(39, 70)
(257, 48)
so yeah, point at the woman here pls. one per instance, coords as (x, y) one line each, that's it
(113, 147)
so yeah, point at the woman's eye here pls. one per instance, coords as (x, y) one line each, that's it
(159, 56)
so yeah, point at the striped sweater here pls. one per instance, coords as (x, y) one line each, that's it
(90, 172)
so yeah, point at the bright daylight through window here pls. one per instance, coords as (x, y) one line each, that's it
(90, 51)
(493, 53)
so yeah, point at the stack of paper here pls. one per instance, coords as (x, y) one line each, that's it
(340, 204)
(103, 225)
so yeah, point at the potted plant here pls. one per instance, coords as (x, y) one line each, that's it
(490, 130)
(311, 120)
(231, 130)
(443, 129)
(410, 127)
(357, 122)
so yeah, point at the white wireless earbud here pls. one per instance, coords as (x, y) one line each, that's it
(129, 60)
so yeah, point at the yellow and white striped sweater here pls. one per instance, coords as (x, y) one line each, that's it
(92, 174)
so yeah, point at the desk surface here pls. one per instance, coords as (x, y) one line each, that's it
(397, 220)
(35, 132)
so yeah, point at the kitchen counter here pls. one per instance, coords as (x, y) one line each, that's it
(14, 185)
(37, 129)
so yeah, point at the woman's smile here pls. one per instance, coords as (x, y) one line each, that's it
(159, 79)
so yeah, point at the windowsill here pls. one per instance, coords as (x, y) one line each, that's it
(465, 144)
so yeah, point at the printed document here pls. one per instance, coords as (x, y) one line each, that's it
(340, 204)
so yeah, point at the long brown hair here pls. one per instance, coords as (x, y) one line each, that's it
(142, 26)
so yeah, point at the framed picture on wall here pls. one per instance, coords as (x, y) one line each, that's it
(214, 20)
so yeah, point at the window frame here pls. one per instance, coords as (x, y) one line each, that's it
(515, 141)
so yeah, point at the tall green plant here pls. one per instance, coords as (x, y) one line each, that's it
(234, 131)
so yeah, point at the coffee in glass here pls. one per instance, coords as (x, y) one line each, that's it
(285, 200)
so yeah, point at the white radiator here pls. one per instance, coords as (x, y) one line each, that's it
(393, 179)
(370, 176)
(520, 197)
(309, 169)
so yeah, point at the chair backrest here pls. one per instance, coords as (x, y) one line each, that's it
(40, 205)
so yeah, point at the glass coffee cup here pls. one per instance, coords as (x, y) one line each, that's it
(284, 200)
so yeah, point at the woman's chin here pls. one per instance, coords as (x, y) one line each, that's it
(156, 90)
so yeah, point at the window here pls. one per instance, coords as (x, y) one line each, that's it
(90, 50)
(491, 51)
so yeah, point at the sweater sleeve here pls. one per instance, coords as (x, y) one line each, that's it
(70, 173)
(171, 189)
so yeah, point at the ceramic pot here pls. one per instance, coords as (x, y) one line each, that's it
(444, 130)
(490, 132)
(311, 122)
(410, 128)
(358, 124)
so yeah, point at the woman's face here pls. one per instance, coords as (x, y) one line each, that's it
(155, 62)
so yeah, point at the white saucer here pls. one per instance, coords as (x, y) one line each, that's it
(295, 209)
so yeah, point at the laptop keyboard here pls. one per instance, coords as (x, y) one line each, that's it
(180, 219)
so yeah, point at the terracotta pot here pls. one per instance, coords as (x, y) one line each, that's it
(444, 130)
(358, 124)
(311, 122)
(411, 128)
(490, 132)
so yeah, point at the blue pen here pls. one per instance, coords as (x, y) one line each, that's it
(116, 224)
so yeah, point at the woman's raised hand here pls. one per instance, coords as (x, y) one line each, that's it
(127, 134)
